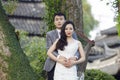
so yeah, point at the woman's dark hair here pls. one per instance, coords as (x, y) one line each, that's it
(62, 42)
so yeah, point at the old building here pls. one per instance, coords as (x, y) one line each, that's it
(105, 55)
(29, 16)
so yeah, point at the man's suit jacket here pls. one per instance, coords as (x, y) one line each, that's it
(51, 36)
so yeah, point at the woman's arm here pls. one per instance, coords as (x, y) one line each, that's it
(49, 43)
(77, 55)
(51, 50)
(82, 54)
(60, 59)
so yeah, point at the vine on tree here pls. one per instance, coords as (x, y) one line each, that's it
(52, 6)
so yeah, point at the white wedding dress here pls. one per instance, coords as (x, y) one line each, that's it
(63, 73)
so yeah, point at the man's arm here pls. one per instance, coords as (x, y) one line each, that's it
(49, 43)
(75, 36)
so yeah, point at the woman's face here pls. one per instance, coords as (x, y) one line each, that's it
(69, 30)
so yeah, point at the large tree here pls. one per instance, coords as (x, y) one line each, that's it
(14, 64)
(72, 9)
(75, 13)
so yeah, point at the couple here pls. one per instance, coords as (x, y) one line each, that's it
(63, 50)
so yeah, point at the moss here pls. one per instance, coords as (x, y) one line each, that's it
(10, 6)
(19, 67)
(97, 75)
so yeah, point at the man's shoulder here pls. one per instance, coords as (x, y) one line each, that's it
(52, 31)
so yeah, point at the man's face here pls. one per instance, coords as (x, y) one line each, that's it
(59, 21)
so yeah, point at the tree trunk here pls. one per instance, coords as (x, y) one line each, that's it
(87, 47)
(74, 12)
(14, 64)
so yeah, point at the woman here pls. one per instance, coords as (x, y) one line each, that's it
(67, 47)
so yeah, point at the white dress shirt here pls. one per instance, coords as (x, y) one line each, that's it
(58, 30)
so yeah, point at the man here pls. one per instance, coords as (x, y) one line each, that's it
(51, 36)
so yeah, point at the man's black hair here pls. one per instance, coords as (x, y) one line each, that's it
(59, 14)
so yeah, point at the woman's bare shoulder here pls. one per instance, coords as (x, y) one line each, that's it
(79, 42)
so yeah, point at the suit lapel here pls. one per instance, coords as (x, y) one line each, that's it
(55, 34)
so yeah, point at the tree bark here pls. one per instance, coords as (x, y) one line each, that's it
(88, 45)
(74, 12)
(14, 64)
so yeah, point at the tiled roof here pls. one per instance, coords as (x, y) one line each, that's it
(109, 31)
(30, 9)
(28, 16)
(26, 0)
(32, 26)
(110, 41)
(30, 0)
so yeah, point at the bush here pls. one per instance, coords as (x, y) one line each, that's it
(35, 49)
(97, 75)
(10, 6)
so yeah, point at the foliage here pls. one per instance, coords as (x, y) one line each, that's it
(97, 75)
(10, 6)
(116, 6)
(52, 6)
(34, 48)
(118, 24)
(118, 15)
(18, 64)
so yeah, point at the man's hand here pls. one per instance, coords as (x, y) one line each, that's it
(67, 62)
(70, 62)
(62, 60)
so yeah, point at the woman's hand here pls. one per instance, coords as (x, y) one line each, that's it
(70, 62)
(73, 58)
(67, 62)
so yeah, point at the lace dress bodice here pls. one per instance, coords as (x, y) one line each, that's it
(64, 73)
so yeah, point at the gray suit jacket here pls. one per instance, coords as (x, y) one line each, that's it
(51, 36)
